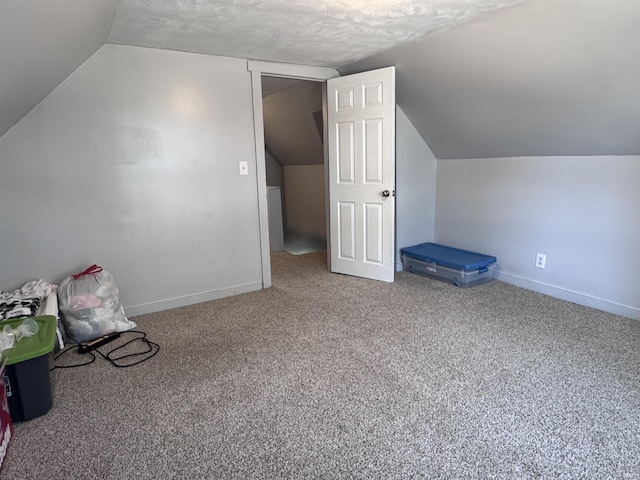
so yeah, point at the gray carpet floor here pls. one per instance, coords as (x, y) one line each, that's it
(330, 377)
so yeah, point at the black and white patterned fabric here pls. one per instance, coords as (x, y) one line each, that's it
(19, 308)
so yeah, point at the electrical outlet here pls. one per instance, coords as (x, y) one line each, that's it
(541, 260)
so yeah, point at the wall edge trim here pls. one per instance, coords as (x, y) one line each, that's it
(190, 299)
(571, 295)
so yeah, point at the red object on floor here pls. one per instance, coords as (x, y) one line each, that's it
(6, 426)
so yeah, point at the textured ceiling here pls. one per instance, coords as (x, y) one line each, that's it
(327, 33)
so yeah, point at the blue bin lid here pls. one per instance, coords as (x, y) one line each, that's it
(448, 256)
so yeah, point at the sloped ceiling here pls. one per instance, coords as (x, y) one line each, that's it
(290, 131)
(41, 43)
(540, 77)
(44, 41)
(275, 84)
(544, 78)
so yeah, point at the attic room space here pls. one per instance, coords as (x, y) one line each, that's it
(220, 159)
(516, 134)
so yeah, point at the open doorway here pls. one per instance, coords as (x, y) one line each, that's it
(294, 162)
(359, 153)
(259, 69)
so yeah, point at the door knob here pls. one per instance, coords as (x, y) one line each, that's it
(386, 193)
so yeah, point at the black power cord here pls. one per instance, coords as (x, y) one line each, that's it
(150, 350)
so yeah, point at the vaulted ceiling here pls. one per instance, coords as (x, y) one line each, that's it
(44, 41)
(477, 78)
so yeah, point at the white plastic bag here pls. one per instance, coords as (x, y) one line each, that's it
(90, 305)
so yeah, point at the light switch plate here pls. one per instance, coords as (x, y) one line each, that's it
(244, 168)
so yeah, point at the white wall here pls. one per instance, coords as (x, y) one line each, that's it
(304, 199)
(132, 163)
(274, 171)
(415, 187)
(581, 212)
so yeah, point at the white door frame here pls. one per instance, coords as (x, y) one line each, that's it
(258, 69)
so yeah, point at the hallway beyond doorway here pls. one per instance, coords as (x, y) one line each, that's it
(299, 244)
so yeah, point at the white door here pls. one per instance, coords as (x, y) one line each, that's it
(361, 130)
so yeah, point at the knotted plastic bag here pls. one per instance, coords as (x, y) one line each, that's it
(90, 307)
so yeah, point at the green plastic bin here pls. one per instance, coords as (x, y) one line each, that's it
(27, 379)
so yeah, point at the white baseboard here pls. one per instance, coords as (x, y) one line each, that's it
(551, 290)
(571, 296)
(190, 299)
(565, 294)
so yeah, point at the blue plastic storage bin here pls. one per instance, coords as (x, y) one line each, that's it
(461, 268)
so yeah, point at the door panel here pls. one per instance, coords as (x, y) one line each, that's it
(373, 150)
(373, 232)
(346, 152)
(361, 138)
(347, 228)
